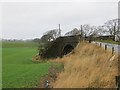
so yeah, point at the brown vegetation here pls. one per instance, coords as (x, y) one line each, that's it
(88, 65)
(53, 72)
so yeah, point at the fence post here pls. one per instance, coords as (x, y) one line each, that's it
(105, 48)
(100, 44)
(117, 79)
(112, 50)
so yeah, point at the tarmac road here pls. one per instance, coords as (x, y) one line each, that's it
(109, 45)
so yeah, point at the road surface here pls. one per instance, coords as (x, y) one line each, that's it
(109, 45)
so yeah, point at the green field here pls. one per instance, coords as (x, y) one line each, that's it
(13, 44)
(18, 70)
(109, 41)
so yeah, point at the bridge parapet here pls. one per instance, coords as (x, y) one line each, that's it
(61, 46)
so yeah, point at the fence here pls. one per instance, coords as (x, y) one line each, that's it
(106, 47)
(112, 48)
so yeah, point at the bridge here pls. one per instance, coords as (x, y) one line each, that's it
(61, 46)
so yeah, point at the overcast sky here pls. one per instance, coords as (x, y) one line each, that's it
(28, 20)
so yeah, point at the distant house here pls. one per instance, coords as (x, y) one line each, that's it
(105, 36)
(108, 36)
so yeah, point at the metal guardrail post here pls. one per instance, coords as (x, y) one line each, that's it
(100, 44)
(117, 78)
(112, 50)
(105, 47)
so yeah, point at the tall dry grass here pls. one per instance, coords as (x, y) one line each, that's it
(87, 66)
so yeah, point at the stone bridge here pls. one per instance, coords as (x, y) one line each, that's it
(61, 46)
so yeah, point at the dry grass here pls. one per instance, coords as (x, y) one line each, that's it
(88, 66)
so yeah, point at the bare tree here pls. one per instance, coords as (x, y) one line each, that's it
(86, 28)
(45, 38)
(94, 31)
(112, 26)
(73, 32)
(50, 35)
(89, 30)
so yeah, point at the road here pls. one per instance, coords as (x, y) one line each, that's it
(109, 45)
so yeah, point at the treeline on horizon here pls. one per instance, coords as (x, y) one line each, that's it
(111, 27)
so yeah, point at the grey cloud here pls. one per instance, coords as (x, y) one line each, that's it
(30, 20)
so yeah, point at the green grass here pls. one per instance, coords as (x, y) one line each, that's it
(18, 70)
(109, 41)
(10, 44)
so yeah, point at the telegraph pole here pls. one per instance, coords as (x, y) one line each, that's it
(81, 31)
(59, 31)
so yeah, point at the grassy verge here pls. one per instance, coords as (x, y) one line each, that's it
(109, 41)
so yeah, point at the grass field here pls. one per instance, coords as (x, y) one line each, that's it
(18, 70)
(109, 41)
(13, 44)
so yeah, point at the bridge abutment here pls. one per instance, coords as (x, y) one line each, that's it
(61, 46)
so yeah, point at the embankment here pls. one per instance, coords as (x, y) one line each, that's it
(88, 65)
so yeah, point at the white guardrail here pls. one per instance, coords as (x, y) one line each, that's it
(112, 47)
